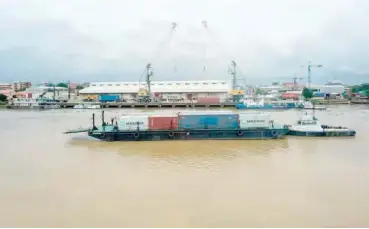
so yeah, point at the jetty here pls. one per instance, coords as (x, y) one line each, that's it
(141, 105)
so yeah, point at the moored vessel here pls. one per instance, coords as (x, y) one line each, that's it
(308, 125)
(309, 106)
(34, 103)
(188, 126)
(87, 106)
(261, 105)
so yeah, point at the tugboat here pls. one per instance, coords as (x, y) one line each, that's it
(192, 126)
(308, 125)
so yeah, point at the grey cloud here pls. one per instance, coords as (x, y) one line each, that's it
(113, 40)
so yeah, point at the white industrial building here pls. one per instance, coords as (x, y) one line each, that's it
(329, 89)
(175, 89)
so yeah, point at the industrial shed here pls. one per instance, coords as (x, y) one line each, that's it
(329, 89)
(184, 90)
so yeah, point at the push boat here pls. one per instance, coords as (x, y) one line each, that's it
(309, 125)
(203, 126)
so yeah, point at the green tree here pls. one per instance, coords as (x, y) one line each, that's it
(366, 93)
(259, 91)
(3, 98)
(307, 93)
(79, 87)
(62, 85)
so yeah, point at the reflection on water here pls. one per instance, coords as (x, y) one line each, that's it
(203, 148)
(52, 180)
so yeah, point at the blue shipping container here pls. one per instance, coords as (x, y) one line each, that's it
(109, 98)
(208, 121)
(318, 94)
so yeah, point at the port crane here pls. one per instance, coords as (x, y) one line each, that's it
(294, 78)
(309, 66)
(145, 93)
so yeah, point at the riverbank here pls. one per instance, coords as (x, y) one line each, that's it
(330, 101)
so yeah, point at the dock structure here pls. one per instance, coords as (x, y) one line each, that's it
(151, 105)
(359, 101)
(140, 105)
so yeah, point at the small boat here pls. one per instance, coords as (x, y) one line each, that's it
(51, 106)
(308, 125)
(93, 106)
(79, 106)
(87, 106)
(310, 106)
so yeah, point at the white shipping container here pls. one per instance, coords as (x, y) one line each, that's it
(131, 122)
(171, 96)
(254, 120)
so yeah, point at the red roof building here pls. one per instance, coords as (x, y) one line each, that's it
(291, 95)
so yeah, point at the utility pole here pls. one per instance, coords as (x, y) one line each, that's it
(309, 66)
(69, 90)
(54, 91)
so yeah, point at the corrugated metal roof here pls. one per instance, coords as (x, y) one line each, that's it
(158, 86)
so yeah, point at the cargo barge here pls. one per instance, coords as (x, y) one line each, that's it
(187, 126)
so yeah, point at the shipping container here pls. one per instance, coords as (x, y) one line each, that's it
(254, 120)
(109, 98)
(208, 121)
(318, 94)
(208, 100)
(163, 122)
(132, 122)
(171, 96)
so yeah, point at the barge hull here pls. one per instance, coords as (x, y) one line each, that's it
(237, 134)
(349, 133)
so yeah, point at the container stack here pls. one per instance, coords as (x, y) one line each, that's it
(248, 121)
(133, 122)
(208, 121)
(163, 122)
(193, 120)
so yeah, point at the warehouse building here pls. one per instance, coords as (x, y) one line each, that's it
(164, 90)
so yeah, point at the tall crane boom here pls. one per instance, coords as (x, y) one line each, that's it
(309, 66)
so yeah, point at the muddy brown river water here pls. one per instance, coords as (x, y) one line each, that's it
(48, 179)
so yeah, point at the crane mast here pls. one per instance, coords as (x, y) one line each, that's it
(149, 73)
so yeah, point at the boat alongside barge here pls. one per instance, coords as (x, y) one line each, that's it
(308, 125)
(190, 126)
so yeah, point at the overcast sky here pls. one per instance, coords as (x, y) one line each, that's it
(112, 40)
